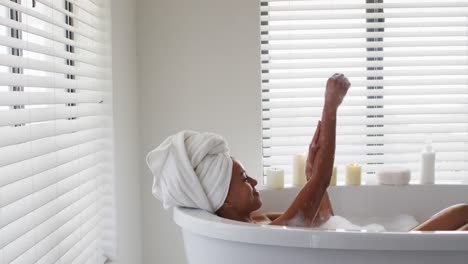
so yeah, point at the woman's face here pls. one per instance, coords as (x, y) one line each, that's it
(242, 195)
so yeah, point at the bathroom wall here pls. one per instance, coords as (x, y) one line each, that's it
(126, 132)
(198, 68)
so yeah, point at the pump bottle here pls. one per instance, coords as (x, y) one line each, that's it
(427, 164)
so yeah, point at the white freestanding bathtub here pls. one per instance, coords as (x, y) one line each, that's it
(209, 239)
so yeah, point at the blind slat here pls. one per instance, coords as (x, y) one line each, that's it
(343, 6)
(21, 116)
(363, 73)
(358, 64)
(332, 16)
(361, 54)
(363, 35)
(10, 79)
(362, 25)
(364, 45)
(42, 98)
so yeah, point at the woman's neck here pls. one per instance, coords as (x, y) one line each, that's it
(234, 215)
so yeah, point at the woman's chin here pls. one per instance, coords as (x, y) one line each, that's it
(258, 202)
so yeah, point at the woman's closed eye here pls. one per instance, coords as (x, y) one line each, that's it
(246, 177)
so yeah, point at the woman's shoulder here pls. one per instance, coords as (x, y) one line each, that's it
(260, 218)
(265, 218)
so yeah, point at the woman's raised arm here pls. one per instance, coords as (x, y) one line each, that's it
(306, 205)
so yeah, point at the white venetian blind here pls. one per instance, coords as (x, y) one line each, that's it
(56, 170)
(408, 65)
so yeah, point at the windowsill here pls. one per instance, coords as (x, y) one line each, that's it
(412, 183)
(341, 184)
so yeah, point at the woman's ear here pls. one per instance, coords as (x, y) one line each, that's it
(226, 205)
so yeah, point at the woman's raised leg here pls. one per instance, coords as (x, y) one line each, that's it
(452, 218)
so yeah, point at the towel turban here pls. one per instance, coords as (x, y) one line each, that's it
(191, 169)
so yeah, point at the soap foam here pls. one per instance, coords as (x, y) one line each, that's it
(401, 223)
(397, 223)
(339, 222)
(297, 220)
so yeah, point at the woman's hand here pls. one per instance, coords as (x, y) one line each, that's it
(337, 87)
(313, 148)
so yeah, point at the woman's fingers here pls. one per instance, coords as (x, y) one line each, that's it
(315, 139)
(313, 148)
(310, 161)
(317, 132)
(312, 151)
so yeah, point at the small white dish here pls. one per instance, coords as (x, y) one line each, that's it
(393, 176)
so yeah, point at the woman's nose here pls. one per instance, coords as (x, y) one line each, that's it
(253, 182)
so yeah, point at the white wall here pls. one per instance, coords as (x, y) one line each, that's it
(198, 68)
(126, 126)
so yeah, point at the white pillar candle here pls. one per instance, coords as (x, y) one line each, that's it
(299, 177)
(353, 174)
(333, 177)
(275, 178)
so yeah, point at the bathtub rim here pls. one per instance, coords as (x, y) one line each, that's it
(206, 224)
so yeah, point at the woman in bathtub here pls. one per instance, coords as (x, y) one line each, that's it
(195, 170)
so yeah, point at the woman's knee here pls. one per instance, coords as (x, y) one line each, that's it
(460, 210)
(457, 211)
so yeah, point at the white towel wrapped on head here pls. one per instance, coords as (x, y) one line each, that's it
(191, 169)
